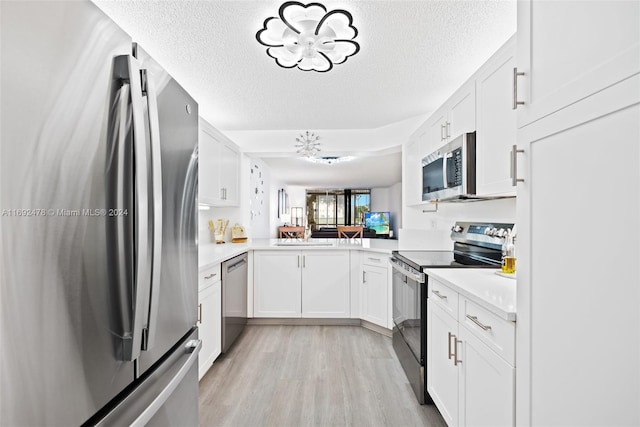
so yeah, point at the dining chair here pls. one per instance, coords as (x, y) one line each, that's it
(350, 231)
(286, 232)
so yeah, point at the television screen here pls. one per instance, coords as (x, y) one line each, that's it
(377, 221)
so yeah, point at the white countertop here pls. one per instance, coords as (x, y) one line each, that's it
(482, 286)
(211, 253)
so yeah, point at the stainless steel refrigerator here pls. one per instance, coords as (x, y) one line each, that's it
(98, 169)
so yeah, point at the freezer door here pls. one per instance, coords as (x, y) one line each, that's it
(61, 333)
(165, 396)
(174, 294)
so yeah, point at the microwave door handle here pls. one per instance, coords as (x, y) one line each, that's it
(444, 169)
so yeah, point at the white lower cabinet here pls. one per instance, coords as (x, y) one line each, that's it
(209, 325)
(442, 373)
(470, 383)
(311, 284)
(277, 282)
(375, 289)
(374, 300)
(325, 284)
(487, 384)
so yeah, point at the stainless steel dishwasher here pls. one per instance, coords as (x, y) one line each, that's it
(234, 299)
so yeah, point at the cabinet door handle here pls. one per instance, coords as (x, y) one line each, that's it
(298, 261)
(364, 277)
(516, 74)
(456, 361)
(200, 313)
(443, 134)
(514, 165)
(439, 295)
(448, 129)
(449, 344)
(304, 261)
(475, 320)
(209, 276)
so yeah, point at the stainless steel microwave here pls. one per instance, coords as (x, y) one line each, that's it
(450, 172)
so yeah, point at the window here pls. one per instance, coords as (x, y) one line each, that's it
(330, 208)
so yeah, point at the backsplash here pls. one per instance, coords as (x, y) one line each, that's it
(430, 230)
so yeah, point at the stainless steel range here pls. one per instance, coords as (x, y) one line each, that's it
(475, 245)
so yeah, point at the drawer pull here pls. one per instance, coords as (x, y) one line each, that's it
(439, 295)
(209, 276)
(449, 344)
(374, 259)
(475, 320)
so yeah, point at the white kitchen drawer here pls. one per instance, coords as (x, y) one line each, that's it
(208, 276)
(497, 333)
(443, 296)
(375, 259)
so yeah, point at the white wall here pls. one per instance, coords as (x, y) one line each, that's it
(389, 199)
(423, 229)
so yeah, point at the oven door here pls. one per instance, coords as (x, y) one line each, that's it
(409, 330)
(407, 312)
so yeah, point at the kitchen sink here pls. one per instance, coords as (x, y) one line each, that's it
(303, 243)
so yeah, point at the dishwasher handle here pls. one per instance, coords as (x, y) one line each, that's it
(236, 265)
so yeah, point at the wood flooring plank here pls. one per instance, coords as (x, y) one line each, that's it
(285, 375)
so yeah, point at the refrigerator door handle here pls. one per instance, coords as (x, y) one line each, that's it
(156, 203)
(127, 71)
(192, 347)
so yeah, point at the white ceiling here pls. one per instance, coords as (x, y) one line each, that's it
(413, 55)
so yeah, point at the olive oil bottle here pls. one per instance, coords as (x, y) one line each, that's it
(508, 254)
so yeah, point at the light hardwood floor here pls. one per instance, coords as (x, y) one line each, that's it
(311, 376)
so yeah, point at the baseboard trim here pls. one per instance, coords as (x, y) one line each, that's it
(297, 321)
(376, 328)
(302, 321)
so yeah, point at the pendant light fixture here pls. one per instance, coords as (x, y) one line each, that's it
(309, 37)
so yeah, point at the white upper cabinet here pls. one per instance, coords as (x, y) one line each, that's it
(455, 117)
(218, 168)
(574, 52)
(461, 111)
(434, 132)
(496, 123)
(229, 173)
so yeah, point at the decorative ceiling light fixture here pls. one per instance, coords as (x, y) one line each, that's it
(308, 144)
(309, 37)
(330, 160)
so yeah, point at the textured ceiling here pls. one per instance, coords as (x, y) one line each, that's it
(413, 55)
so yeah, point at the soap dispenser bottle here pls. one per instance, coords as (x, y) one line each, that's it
(508, 254)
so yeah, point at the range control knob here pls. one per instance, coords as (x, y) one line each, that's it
(492, 232)
(501, 233)
(457, 229)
